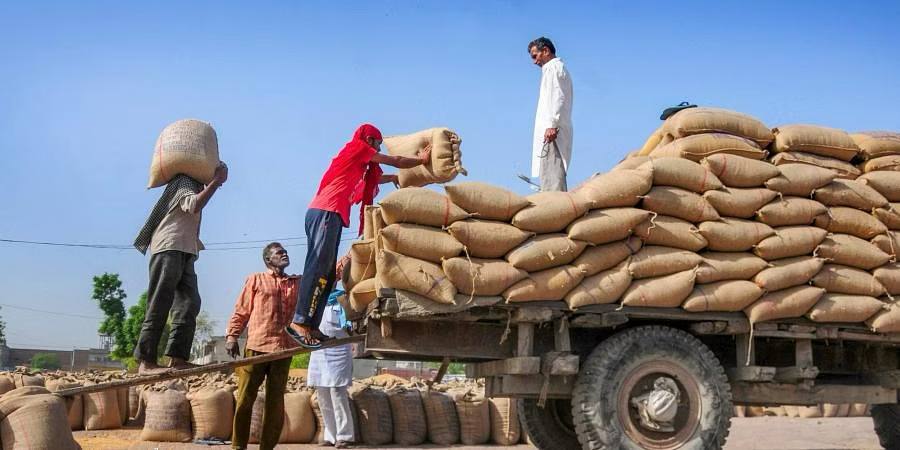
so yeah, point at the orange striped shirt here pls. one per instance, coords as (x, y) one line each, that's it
(265, 306)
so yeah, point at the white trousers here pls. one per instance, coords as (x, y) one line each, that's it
(335, 405)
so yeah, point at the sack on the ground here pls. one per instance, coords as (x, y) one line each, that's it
(487, 239)
(550, 285)
(364, 293)
(665, 292)
(822, 141)
(700, 146)
(670, 232)
(601, 288)
(885, 182)
(446, 158)
(788, 272)
(33, 418)
(550, 212)
(852, 251)
(168, 417)
(740, 172)
(809, 412)
(475, 276)
(212, 413)
(408, 416)
(299, 419)
(22, 380)
(728, 266)
(602, 257)
(655, 261)
(188, 147)
(732, 295)
(474, 417)
(841, 219)
(680, 203)
(887, 321)
(376, 425)
(545, 251)
(420, 206)
(789, 242)
(411, 274)
(790, 211)
(784, 304)
(850, 193)
(681, 173)
(256, 420)
(890, 217)
(440, 415)
(426, 243)
(739, 203)
(602, 226)
(122, 397)
(101, 410)
(800, 179)
(875, 144)
(844, 308)
(843, 169)
(883, 163)
(6, 383)
(505, 428)
(486, 201)
(734, 235)
(702, 120)
(618, 188)
(889, 277)
(888, 243)
(74, 403)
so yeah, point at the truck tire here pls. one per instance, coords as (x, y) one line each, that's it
(549, 427)
(625, 366)
(887, 425)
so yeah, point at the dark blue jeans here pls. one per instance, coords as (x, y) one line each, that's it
(323, 236)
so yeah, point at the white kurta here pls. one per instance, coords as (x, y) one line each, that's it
(333, 366)
(554, 110)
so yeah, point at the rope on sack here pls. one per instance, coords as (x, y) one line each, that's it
(472, 273)
(508, 328)
(750, 344)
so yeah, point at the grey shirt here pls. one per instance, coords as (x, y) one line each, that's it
(179, 229)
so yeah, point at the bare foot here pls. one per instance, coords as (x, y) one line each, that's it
(180, 364)
(306, 332)
(151, 368)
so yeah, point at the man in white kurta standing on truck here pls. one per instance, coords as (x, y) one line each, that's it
(552, 146)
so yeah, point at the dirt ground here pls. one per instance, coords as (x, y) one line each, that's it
(762, 433)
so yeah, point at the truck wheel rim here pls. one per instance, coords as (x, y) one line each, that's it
(639, 381)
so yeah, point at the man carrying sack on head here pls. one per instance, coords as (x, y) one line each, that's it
(353, 177)
(264, 308)
(552, 144)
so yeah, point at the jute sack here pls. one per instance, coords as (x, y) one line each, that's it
(602, 288)
(838, 279)
(882, 163)
(602, 226)
(788, 272)
(420, 206)
(6, 383)
(790, 211)
(740, 411)
(486, 201)
(550, 212)
(617, 188)
(888, 243)
(890, 217)
(212, 413)
(655, 261)
(602, 257)
(168, 417)
(299, 419)
(885, 182)
(368, 224)
(843, 169)
(841, 219)
(740, 203)
(680, 203)
(446, 159)
(362, 262)
(74, 404)
(734, 235)
(852, 251)
(474, 417)
(844, 308)
(378, 222)
(482, 276)
(889, 277)
(101, 410)
(681, 173)
(426, 243)
(887, 321)
(122, 397)
(740, 172)
(33, 418)
(700, 146)
(319, 438)
(487, 239)
(809, 412)
(800, 179)
(408, 416)
(791, 411)
(822, 141)
(703, 120)
(545, 251)
(440, 415)
(376, 424)
(850, 193)
(784, 304)
(874, 144)
(776, 411)
(505, 429)
(858, 410)
(650, 144)
(835, 410)
(665, 292)
(364, 293)
(411, 274)
(631, 163)
(188, 147)
(670, 232)
(789, 242)
(731, 296)
(22, 380)
(728, 266)
(546, 285)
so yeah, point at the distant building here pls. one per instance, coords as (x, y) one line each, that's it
(75, 359)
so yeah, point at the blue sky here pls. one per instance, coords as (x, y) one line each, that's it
(85, 87)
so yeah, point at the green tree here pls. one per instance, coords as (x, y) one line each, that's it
(2, 331)
(48, 361)
(454, 368)
(300, 361)
(110, 297)
(131, 331)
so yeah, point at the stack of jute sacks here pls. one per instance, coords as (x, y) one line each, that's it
(703, 219)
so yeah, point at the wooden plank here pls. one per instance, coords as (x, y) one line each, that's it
(889, 379)
(228, 365)
(410, 304)
(532, 315)
(561, 364)
(606, 320)
(636, 312)
(519, 365)
(524, 339)
(530, 386)
(795, 374)
(466, 341)
(751, 373)
(561, 339)
(721, 327)
(790, 394)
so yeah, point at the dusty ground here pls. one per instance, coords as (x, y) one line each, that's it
(763, 433)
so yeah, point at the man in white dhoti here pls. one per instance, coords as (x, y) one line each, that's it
(331, 373)
(552, 146)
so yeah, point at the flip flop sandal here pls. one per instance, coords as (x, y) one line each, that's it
(302, 340)
(321, 337)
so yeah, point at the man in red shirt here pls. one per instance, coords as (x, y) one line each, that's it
(353, 177)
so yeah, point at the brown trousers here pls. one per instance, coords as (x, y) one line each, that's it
(250, 378)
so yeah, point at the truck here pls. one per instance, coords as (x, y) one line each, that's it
(620, 377)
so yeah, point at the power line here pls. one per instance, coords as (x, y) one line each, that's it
(56, 313)
(128, 247)
(286, 245)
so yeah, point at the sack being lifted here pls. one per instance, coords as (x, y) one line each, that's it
(446, 159)
(188, 147)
